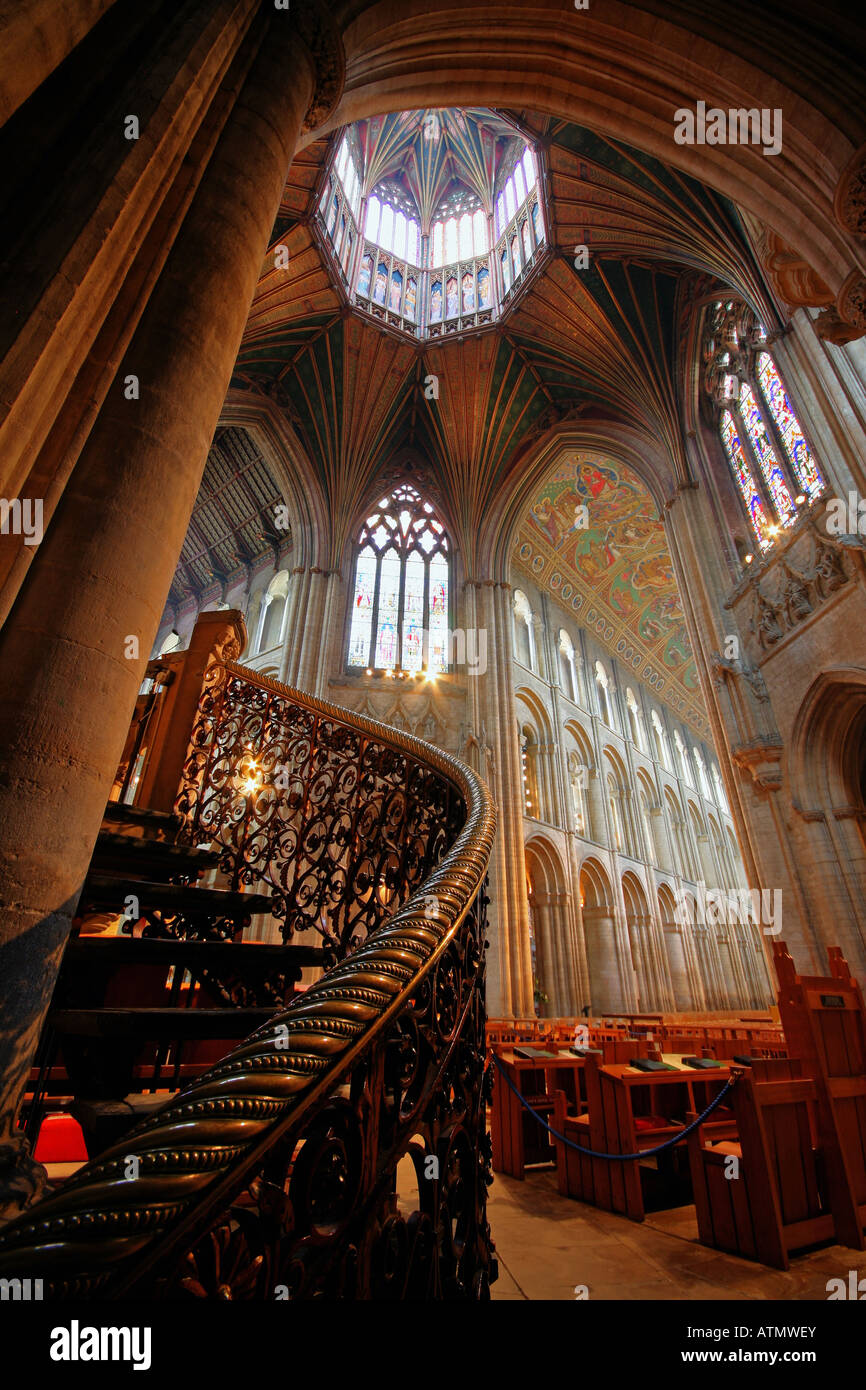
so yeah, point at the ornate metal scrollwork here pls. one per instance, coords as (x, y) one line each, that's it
(341, 1150)
(341, 824)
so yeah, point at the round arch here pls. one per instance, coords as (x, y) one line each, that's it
(598, 916)
(549, 926)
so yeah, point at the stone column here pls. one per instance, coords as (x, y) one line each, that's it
(35, 36)
(69, 671)
(599, 929)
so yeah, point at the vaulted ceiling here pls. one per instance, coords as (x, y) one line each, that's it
(604, 338)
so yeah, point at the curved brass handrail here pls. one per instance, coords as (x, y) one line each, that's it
(104, 1232)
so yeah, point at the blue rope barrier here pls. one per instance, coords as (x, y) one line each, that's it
(616, 1158)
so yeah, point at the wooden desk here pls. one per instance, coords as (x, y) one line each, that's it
(518, 1138)
(629, 1111)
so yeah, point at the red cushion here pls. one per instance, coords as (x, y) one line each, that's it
(651, 1122)
(61, 1140)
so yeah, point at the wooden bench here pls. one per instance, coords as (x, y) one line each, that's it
(517, 1137)
(630, 1111)
(825, 1024)
(770, 1200)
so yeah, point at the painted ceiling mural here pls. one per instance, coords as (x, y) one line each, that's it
(594, 539)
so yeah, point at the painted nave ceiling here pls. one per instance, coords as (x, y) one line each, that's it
(365, 382)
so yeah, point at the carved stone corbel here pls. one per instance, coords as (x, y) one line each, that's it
(762, 758)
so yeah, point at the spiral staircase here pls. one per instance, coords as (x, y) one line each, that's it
(247, 1138)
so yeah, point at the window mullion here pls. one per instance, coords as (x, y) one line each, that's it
(425, 609)
(401, 598)
(374, 628)
(795, 487)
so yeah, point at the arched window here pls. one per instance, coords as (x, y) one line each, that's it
(578, 772)
(635, 720)
(661, 740)
(718, 788)
(745, 481)
(566, 665)
(805, 468)
(528, 757)
(605, 705)
(400, 599)
(762, 448)
(703, 780)
(683, 755)
(772, 464)
(524, 632)
(272, 612)
(613, 801)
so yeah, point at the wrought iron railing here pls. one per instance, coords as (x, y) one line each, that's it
(275, 1174)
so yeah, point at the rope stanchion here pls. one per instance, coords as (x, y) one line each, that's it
(617, 1158)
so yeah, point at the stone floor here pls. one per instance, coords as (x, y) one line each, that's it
(547, 1244)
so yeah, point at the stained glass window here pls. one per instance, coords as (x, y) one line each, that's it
(536, 225)
(399, 618)
(411, 296)
(468, 290)
(451, 307)
(362, 607)
(806, 470)
(381, 281)
(745, 481)
(527, 244)
(365, 275)
(396, 291)
(483, 288)
(515, 256)
(764, 453)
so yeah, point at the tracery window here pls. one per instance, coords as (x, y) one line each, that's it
(773, 467)
(400, 600)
